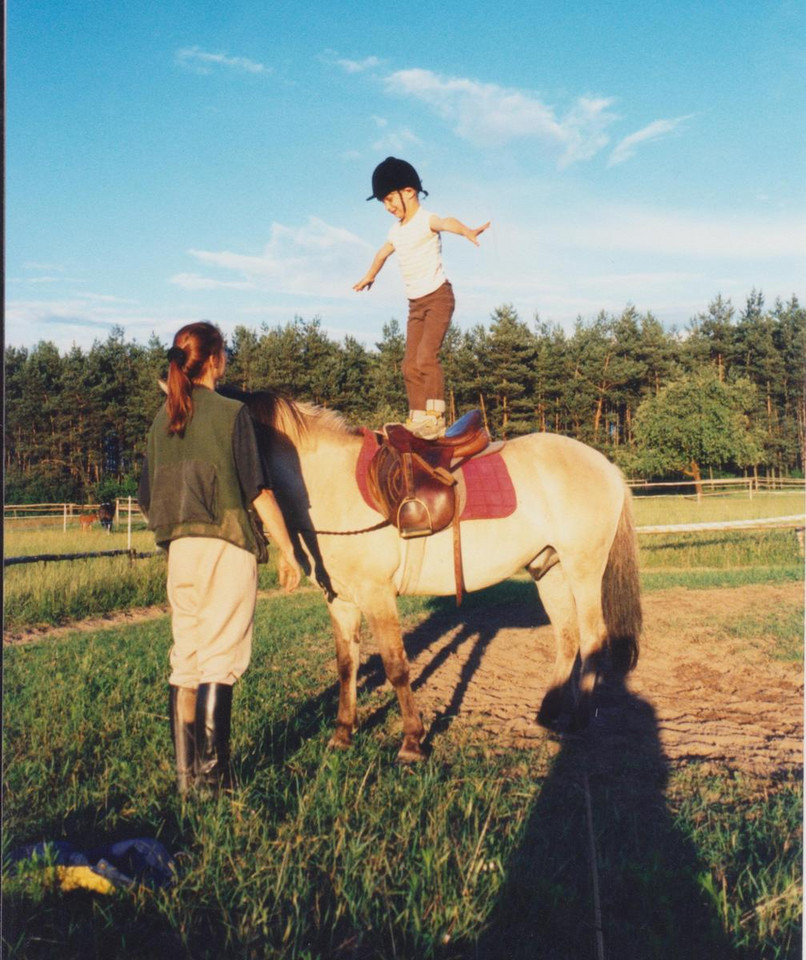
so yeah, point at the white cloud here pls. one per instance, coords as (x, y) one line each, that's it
(201, 61)
(194, 281)
(668, 233)
(316, 259)
(34, 265)
(395, 141)
(74, 320)
(653, 131)
(358, 66)
(487, 114)
(32, 281)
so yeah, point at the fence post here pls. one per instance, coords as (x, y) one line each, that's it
(129, 541)
(64, 528)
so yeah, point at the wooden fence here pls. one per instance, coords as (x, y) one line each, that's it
(69, 514)
(45, 514)
(709, 486)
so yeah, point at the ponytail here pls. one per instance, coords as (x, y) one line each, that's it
(193, 347)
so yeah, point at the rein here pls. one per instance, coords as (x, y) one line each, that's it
(343, 533)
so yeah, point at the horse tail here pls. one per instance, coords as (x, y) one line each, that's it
(621, 592)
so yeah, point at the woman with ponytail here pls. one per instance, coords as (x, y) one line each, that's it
(206, 492)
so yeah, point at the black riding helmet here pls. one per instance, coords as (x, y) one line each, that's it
(393, 174)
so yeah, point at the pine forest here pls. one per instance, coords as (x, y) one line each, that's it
(726, 394)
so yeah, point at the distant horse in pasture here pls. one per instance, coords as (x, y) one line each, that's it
(571, 528)
(86, 521)
(106, 514)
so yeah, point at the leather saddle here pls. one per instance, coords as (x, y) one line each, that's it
(412, 479)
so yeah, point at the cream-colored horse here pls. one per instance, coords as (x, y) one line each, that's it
(572, 530)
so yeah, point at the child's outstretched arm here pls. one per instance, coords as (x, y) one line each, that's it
(381, 257)
(452, 225)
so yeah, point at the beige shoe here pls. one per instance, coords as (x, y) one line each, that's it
(431, 427)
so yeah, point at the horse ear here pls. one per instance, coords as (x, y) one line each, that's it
(163, 387)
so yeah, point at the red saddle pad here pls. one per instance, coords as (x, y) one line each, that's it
(490, 494)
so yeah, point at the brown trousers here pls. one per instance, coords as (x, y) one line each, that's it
(429, 319)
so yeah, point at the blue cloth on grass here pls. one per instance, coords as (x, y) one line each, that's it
(124, 864)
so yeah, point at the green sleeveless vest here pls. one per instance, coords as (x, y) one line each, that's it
(193, 480)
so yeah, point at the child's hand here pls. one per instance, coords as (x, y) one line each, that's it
(363, 285)
(473, 235)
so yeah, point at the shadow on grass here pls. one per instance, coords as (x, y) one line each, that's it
(651, 905)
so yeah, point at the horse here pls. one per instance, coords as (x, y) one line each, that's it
(572, 530)
(106, 514)
(86, 521)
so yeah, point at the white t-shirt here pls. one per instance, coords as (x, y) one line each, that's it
(419, 250)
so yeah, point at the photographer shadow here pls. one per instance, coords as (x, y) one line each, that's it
(606, 790)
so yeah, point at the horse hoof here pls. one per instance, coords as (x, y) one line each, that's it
(410, 752)
(340, 742)
(551, 708)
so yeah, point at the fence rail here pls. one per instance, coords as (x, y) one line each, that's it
(56, 557)
(797, 520)
(68, 513)
(709, 487)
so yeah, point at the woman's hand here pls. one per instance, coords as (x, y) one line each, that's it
(288, 572)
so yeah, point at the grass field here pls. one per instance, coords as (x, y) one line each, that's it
(348, 855)
(655, 510)
(55, 593)
(60, 592)
(478, 853)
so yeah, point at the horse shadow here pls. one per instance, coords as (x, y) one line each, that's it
(515, 605)
(512, 604)
(606, 789)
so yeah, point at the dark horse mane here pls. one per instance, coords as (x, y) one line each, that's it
(278, 413)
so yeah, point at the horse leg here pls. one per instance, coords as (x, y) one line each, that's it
(346, 619)
(558, 602)
(592, 645)
(381, 614)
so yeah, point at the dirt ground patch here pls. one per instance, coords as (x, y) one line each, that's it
(108, 621)
(699, 691)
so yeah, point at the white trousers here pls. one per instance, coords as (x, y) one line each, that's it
(212, 589)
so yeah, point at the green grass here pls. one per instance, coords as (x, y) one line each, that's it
(705, 579)
(476, 853)
(654, 510)
(19, 542)
(752, 844)
(58, 592)
(777, 630)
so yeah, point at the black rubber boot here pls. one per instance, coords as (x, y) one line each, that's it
(213, 716)
(182, 711)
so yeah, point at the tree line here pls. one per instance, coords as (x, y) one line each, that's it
(727, 392)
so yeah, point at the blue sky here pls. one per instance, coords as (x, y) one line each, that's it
(185, 160)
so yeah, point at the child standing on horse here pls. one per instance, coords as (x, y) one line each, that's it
(205, 490)
(416, 240)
